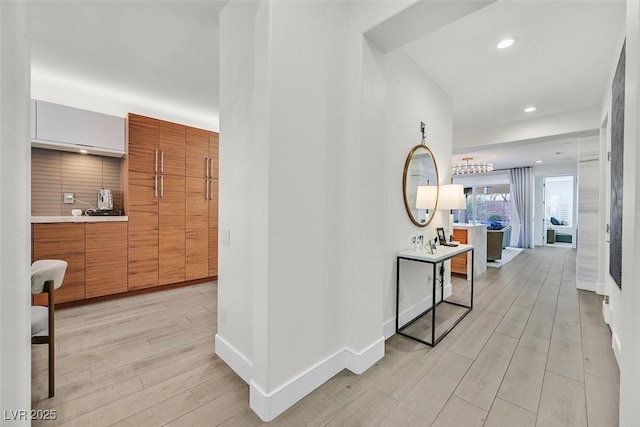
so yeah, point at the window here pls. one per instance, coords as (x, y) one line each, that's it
(486, 204)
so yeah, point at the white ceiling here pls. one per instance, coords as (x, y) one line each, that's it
(155, 52)
(561, 61)
(165, 53)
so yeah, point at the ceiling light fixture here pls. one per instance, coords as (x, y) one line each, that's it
(538, 161)
(83, 151)
(530, 109)
(508, 42)
(469, 168)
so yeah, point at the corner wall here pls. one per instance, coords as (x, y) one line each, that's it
(630, 325)
(311, 194)
(15, 211)
(412, 97)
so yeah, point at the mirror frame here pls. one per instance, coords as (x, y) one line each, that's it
(404, 185)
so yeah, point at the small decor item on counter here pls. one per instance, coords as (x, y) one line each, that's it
(76, 212)
(105, 199)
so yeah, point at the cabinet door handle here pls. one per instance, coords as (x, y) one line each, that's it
(161, 185)
(210, 167)
(206, 191)
(211, 190)
(155, 166)
(155, 186)
(162, 161)
(206, 167)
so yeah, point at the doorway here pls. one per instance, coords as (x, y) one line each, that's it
(559, 200)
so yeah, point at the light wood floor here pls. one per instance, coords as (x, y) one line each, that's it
(534, 351)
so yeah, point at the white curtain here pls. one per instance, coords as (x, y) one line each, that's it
(522, 191)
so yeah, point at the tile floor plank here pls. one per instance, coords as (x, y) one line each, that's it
(562, 403)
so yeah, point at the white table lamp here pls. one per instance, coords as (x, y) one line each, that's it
(451, 196)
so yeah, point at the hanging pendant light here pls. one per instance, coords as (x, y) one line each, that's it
(469, 168)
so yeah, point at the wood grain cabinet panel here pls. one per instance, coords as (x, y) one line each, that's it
(459, 263)
(197, 191)
(213, 204)
(197, 253)
(142, 149)
(106, 258)
(142, 257)
(65, 242)
(171, 143)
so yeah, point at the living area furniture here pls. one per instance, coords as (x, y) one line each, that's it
(551, 235)
(496, 241)
(472, 234)
(422, 256)
(46, 276)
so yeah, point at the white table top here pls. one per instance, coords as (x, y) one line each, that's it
(444, 252)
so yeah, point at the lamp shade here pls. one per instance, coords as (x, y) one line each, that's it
(451, 196)
(426, 197)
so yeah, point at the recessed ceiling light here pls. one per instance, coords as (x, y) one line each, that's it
(508, 42)
(83, 152)
(538, 161)
(530, 109)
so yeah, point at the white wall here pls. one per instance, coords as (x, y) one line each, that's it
(630, 344)
(316, 124)
(15, 193)
(412, 97)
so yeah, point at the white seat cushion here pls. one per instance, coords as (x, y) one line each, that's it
(39, 321)
(47, 269)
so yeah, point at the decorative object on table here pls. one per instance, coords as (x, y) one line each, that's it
(617, 163)
(450, 197)
(442, 238)
(432, 244)
(420, 170)
(470, 168)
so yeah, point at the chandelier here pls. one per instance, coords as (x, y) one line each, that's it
(467, 168)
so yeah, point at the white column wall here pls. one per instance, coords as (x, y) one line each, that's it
(588, 213)
(15, 193)
(412, 97)
(311, 190)
(630, 344)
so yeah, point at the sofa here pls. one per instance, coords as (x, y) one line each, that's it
(497, 240)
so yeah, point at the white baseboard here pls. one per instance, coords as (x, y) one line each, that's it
(617, 350)
(358, 362)
(600, 288)
(586, 286)
(232, 357)
(607, 313)
(269, 405)
(389, 327)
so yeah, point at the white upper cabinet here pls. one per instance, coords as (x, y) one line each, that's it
(71, 129)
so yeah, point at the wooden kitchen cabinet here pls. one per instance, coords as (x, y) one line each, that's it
(214, 151)
(171, 202)
(459, 263)
(65, 242)
(141, 202)
(198, 169)
(105, 258)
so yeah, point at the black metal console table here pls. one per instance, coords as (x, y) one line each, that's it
(444, 253)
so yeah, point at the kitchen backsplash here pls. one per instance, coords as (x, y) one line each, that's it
(56, 172)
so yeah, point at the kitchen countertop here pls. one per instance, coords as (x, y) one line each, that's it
(78, 219)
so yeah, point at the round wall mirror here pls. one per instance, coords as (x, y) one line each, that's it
(420, 185)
